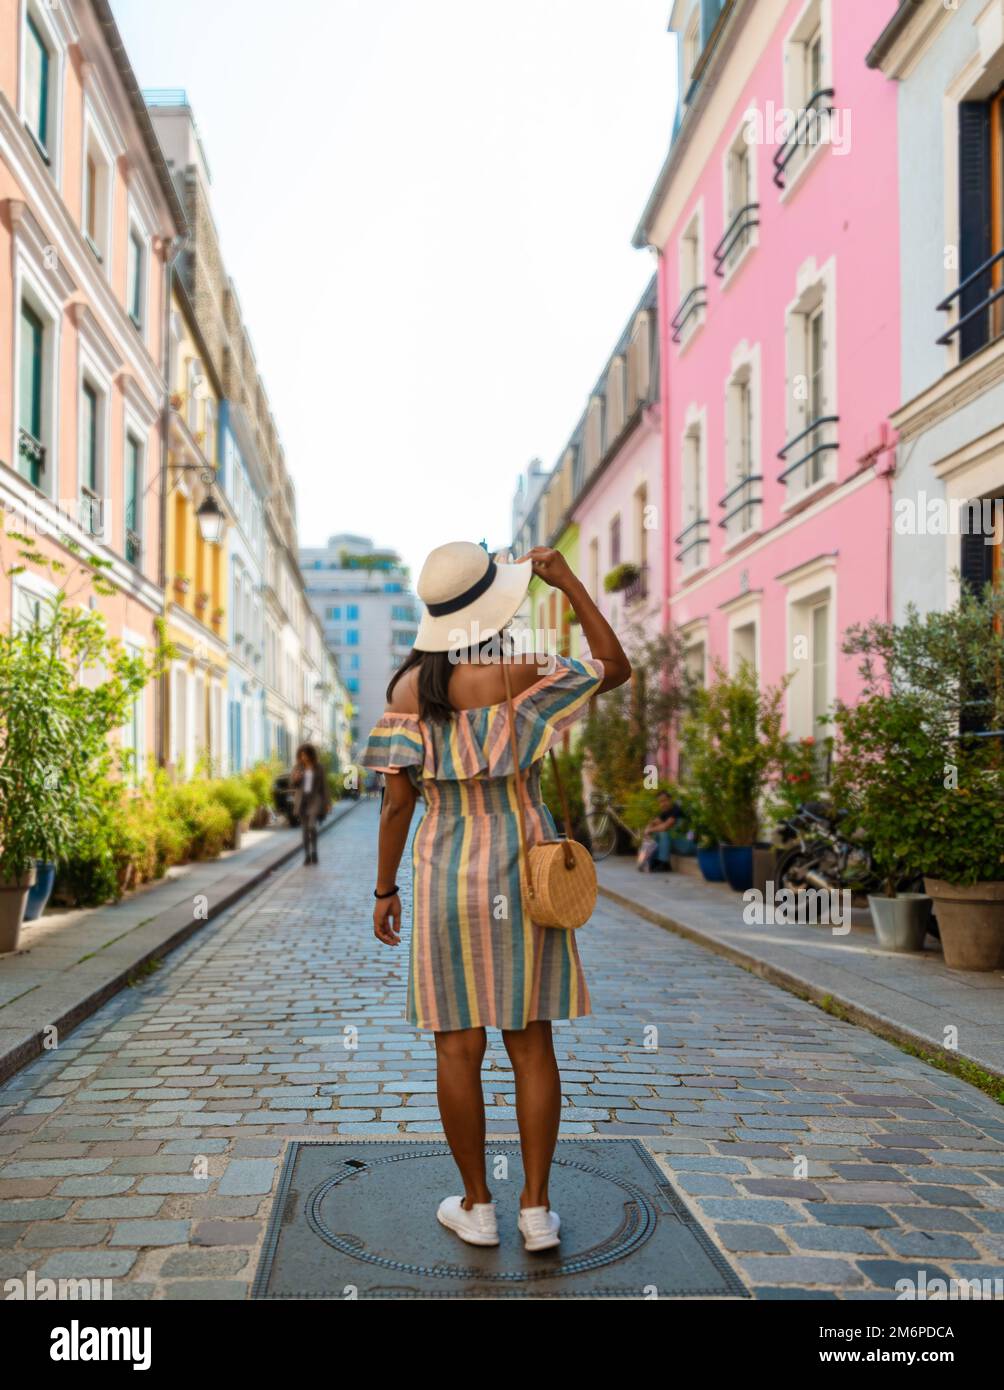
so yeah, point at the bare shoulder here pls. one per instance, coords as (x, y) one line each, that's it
(527, 668)
(404, 699)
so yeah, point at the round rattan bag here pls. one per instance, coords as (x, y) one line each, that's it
(562, 884)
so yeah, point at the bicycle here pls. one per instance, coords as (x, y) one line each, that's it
(602, 822)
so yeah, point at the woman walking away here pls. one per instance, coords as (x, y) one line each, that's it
(311, 797)
(465, 718)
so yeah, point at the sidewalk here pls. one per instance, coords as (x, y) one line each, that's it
(70, 963)
(912, 998)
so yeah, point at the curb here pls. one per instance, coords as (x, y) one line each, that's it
(846, 1009)
(32, 1045)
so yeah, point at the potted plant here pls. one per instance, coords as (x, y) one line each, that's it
(41, 890)
(182, 584)
(201, 601)
(732, 746)
(885, 769)
(54, 728)
(621, 577)
(948, 666)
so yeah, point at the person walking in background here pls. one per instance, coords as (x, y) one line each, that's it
(311, 797)
(477, 959)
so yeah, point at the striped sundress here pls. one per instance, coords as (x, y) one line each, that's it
(476, 959)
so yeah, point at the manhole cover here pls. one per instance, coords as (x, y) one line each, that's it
(358, 1219)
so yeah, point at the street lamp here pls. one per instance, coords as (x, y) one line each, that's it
(211, 520)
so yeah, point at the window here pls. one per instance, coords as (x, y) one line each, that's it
(38, 114)
(333, 614)
(594, 568)
(97, 190)
(690, 314)
(352, 685)
(134, 729)
(741, 208)
(809, 457)
(352, 637)
(135, 289)
(90, 465)
(193, 379)
(691, 49)
(638, 361)
(812, 631)
(743, 647)
(31, 452)
(808, 92)
(741, 502)
(133, 497)
(694, 662)
(354, 662)
(352, 613)
(693, 539)
(981, 226)
(820, 664)
(615, 542)
(209, 443)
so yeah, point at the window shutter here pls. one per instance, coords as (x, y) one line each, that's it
(977, 558)
(974, 217)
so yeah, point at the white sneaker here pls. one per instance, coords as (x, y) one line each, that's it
(477, 1226)
(539, 1227)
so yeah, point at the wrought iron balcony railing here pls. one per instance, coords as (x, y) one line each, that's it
(741, 501)
(638, 588)
(32, 452)
(738, 235)
(812, 460)
(693, 541)
(819, 104)
(692, 303)
(981, 318)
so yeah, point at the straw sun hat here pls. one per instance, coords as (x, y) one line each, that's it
(468, 596)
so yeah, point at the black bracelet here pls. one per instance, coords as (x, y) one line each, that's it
(391, 894)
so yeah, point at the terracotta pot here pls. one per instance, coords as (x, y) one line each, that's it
(971, 922)
(13, 897)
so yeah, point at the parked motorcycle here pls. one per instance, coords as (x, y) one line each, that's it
(816, 853)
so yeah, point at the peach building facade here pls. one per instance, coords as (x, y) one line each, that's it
(88, 223)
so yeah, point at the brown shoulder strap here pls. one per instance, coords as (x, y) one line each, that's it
(521, 787)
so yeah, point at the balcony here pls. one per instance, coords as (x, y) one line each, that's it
(812, 444)
(31, 455)
(738, 235)
(693, 543)
(980, 317)
(91, 512)
(805, 137)
(741, 501)
(692, 304)
(637, 590)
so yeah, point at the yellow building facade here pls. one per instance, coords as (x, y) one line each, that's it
(196, 588)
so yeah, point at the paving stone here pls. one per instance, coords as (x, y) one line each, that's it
(847, 1240)
(53, 1235)
(211, 1290)
(88, 1264)
(938, 1244)
(802, 1270)
(889, 1272)
(32, 1209)
(747, 1237)
(853, 1214)
(202, 1263)
(153, 1232)
(247, 1176)
(116, 1208)
(227, 1232)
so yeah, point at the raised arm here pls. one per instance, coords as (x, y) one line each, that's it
(554, 569)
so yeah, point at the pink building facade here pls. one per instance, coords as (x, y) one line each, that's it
(775, 219)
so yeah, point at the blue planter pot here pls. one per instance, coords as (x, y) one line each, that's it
(709, 861)
(38, 894)
(737, 861)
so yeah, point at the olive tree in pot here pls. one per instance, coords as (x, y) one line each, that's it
(65, 687)
(885, 770)
(732, 747)
(949, 666)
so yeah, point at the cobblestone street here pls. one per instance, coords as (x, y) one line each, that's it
(146, 1147)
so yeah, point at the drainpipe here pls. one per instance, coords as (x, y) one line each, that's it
(882, 456)
(162, 703)
(663, 317)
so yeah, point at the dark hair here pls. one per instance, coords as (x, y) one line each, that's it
(310, 753)
(434, 672)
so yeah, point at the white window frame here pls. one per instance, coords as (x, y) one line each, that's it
(54, 26)
(741, 252)
(96, 139)
(695, 426)
(807, 587)
(133, 427)
(745, 371)
(91, 372)
(690, 47)
(814, 16)
(692, 235)
(693, 636)
(136, 645)
(30, 285)
(816, 288)
(36, 587)
(138, 225)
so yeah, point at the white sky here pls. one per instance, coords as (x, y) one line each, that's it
(427, 207)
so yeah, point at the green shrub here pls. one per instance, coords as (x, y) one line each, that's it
(236, 795)
(207, 823)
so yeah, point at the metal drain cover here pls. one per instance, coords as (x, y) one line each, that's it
(358, 1219)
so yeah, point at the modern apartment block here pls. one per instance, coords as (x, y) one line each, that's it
(364, 600)
(89, 219)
